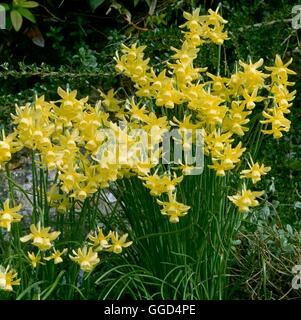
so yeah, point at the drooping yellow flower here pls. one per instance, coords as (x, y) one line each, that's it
(193, 19)
(255, 172)
(168, 95)
(279, 123)
(215, 141)
(236, 119)
(86, 258)
(70, 178)
(215, 18)
(7, 279)
(246, 199)
(8, 145)
(41, 237)
(35, 260)
(99, 240)
(9, 215)
(280, 71)
(56, 256)
(173, 208)
(282, 97)
(217, 34)
(161, 184)
(226, 159)
(133, 64)
(218, 83)
(109, 101)
(70, 108)
(250, 99)
(186, 54)
(251, 77)
(117, 242)
(209, 108)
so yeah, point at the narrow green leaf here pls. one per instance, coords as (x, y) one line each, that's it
(30, 4)
(46, 293)
(16, 19)
(27, 14)
(28, 289)
(95, 4)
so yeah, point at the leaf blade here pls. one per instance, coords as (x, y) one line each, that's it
(94, 4)
(16, 19)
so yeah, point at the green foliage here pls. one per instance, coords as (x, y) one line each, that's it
(95, 3)
(268, 251)
(19, 10)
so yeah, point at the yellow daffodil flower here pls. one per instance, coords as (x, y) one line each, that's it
(118, 242)
(9, 215)
(56, 256)
(255, 172)
(35, 260)
(41, 237)
(99, 240)
(7, 279)
(173, 208)
(246, 199)
(278, 121)
(86, 258)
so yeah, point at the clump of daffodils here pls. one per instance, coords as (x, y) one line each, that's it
(83, 145)
(71, 136)
(221, 106)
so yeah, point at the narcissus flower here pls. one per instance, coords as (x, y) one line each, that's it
(99, 240)
(7, 279)
(41, 237)
(159, 185)
(279, 123)
(215, 141)
(246, 199)
(236, 119)
(252, 78)
(86, 258)
(8, 145)
(109, 101)
(35, 260)
(56, 256)
(250, 99)
(173, 208)
(118, 242)
(255, 172)
(280, 71)
(9, 215)
(226, 159)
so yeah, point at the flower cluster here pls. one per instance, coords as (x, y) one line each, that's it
(87, 149)
(87, 257)
(221, 106)
(71, 138)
